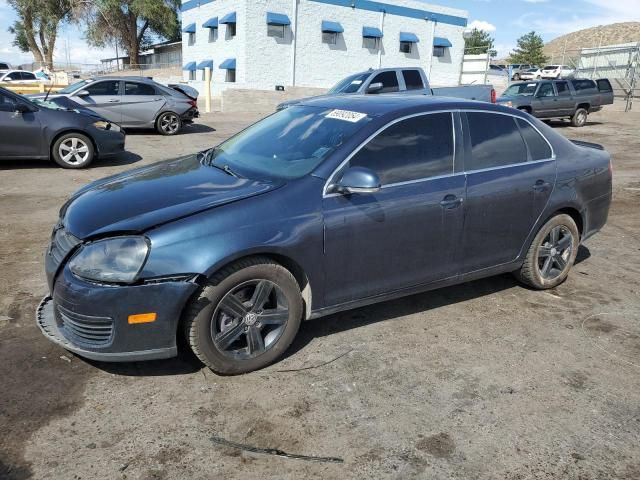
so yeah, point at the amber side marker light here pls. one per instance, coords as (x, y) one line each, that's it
(142, 318)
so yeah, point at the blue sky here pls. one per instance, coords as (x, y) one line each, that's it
(506, 20)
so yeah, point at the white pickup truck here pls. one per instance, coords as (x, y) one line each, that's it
(410, 80)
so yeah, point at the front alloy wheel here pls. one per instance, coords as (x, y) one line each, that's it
(245, 317)
(73, 150)
(552, 253)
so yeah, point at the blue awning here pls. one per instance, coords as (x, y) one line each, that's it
(229, 18)
(190, 67)
(228, 64)
(277, 19)
(371, 32)
(409, 37)
(191, 28)
(205, 64)
(441, 42)
(211, 23)
(331, 27)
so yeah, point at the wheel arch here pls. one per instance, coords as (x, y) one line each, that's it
(286, 261)
(584, 105)
(573, 212)
(55, 138)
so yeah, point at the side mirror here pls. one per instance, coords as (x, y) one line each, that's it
(358, 180)
(22, 108)
(375, 87)
(82, 93)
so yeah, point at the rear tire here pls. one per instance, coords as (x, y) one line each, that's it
(245, 317)
(73, 150)
(551, 254)
(579, 118)
(168, 123)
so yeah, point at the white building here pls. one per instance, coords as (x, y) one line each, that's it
(262, 44)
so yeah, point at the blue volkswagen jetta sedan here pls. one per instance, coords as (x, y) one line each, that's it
(328, 205)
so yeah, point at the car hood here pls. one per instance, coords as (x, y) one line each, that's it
(135, 201)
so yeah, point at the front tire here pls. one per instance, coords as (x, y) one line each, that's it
(551, 255)
(579, 118)
(73, 150)
(245, 317)
(168, 123)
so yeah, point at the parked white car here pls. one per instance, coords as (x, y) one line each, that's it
(5, 65)
(557, 71)
(19, 76)
(531, 74)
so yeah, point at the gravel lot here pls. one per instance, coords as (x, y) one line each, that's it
(487, 380)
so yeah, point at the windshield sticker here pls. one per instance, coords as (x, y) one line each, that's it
(346, 115)
(531, 85)
(356, 82)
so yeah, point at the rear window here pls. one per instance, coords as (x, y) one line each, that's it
(412, 79)
(495, 141)
(604, 85)
(583, 84)
(538, 147)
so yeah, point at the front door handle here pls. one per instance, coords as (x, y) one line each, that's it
(451, 201)
(541, 186)
(114, 101)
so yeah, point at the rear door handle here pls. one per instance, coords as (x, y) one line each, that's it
(451, 201)
(541, 186)
(114, 101)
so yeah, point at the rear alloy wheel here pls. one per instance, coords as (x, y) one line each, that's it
(579, 118)
(73, 150)
(552, 253)
(168, 123)
(245, 318)
(516, 77)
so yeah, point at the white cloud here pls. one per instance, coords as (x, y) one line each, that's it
(482, 25)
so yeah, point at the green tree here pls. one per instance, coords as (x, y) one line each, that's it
(132, 24)
(530, 50)
(479, 41)
(36, 29)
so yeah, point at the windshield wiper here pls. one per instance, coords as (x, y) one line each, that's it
(209, 158)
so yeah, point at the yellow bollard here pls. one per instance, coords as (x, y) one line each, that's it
(207, 89)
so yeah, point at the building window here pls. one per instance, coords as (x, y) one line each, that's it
(330, 38)
(406, 47)
(231, 76)
(231, 30)
(276, 31)
(213, 35)
(370, 42)
(438, 51)
(192, 38)
(192, 75)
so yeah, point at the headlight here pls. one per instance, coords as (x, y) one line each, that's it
(102, 125)
(117, 260)
(507, 104)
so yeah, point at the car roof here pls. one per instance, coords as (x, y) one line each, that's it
(123, 77)
(379, 105)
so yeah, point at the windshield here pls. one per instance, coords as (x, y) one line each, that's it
(350, 84)
(73, 87)
(48, 104)
(288, 144)
(524, 89)
(550, 67)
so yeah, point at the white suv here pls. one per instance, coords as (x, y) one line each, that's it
(557, 71)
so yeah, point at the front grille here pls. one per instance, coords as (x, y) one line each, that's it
(85, 329)
(62, 242)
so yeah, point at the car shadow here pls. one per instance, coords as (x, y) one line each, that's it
(123, 158)
(187, 363)
(567, 124)
(186, 130)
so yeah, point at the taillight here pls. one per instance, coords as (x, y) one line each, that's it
(193, 103)
(493, 95)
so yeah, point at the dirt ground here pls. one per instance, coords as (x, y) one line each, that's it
(487, 380)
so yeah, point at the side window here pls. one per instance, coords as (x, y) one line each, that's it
(563, 89)
(389, 81)
(495, 141)
(412, 149)
(131, 88)
(7, 103)
(412, 79)
(27, 76)
(104, 88)
(14, 76)
(604, 85)
(581, 85)
(538, 147)
(546, 90)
